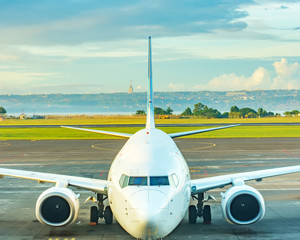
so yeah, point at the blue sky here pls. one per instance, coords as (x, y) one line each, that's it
(89, 46)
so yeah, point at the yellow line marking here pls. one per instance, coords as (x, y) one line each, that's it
(211, 145)
(103, 148)
(5, 144)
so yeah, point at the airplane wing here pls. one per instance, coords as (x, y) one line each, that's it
(95, 185)
(181, 134)
(205, 184)
(125, 135)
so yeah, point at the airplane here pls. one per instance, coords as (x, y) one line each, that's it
(149, 186)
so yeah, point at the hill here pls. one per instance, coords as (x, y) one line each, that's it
(121, 103)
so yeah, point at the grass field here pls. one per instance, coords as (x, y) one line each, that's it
(62, 133)
(141, 120)
(34, 133)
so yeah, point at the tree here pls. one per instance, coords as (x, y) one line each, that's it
(295, 112)
(245, 112)
(206, 112)
(198, 107)
(2, 110)
(291, 113)
(187, 112)
(169, 111)
(234, 112)
(160, 111)
(140, 112)
(225, 115)
(234, 109)
(235, 115)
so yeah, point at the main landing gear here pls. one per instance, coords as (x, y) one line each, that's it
(99, 211)
(201, 210)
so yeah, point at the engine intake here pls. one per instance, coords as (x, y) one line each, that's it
(57, 207)
(243, 205)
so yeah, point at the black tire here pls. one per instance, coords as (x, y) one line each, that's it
(192, 214)
(108, 216)
(94, 215)
(206, 215)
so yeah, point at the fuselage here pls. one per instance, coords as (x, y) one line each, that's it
(149, 185)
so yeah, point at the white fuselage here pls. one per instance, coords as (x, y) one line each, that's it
(143, 207)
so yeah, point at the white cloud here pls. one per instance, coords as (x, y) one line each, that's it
(16, 82)
(8, 57)
(287, 76)
(87, 50)
(176, 87)
(284, 69)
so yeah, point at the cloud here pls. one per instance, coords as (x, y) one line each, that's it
(8, 57)
(176, 87)
(18, 82)
(73, 22)
(284, 69)
(88, 50)
(287, 76)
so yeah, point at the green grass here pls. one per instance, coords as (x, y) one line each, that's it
(62, 133)
(142, 120)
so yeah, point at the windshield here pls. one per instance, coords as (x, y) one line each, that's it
(139, 181)
(159, 180)
(143, 181)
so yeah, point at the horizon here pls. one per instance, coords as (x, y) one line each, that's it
(145, 92)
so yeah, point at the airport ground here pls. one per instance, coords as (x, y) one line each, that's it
(205, 157)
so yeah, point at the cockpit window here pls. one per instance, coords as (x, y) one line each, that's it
(139, 181)
(159, 181)
(124, 181)
(175, 180)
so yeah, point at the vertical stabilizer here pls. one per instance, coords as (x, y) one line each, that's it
(150, 110)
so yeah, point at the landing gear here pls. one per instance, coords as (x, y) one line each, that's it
(108, 216)
(192, 214)
(206, 215)
(94, 215)
(201, 210)
(99, 212)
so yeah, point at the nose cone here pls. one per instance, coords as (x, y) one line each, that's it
(148, 213)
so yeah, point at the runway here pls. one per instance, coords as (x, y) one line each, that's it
(205, 157)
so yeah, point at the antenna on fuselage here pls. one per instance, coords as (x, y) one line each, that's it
(150, 110)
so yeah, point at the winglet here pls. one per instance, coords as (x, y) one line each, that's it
(150, 110)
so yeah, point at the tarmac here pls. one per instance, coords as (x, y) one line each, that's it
(205, 157)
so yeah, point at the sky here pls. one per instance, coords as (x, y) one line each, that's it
(90, 46)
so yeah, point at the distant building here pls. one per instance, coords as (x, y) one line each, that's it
(130, 89)
(22, 116)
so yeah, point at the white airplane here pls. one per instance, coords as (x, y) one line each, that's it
(149, 187)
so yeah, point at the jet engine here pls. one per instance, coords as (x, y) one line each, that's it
(242, 205)
(57, 207)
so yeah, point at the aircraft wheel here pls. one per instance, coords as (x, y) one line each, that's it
(206, 215)
(108, 216)
(94, 215)
(192, 214)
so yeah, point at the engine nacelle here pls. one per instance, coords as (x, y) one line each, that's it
(57, 207)
(242, 205)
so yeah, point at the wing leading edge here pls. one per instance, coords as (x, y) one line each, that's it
(95, 185)
(205, 184)
(117, 134)
(181, 134)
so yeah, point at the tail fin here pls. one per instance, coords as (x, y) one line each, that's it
(150, 110)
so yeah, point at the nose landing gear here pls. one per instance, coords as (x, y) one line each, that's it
(99, 212)
(201, 210)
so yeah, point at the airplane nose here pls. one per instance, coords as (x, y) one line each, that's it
(148, 210)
